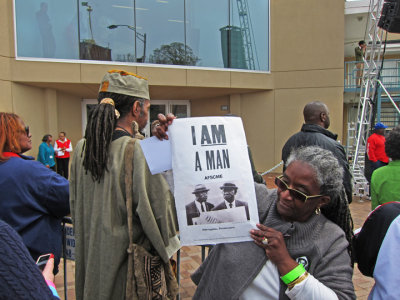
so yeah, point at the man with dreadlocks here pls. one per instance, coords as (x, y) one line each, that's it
(124, 217)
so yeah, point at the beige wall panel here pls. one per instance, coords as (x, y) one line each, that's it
(252, 80)
(259, 123)
(51, 121)
(93, 73)
(311, 78)
(31, 71)
(70, 116)
(163, 76)
(29, 104)
(307, 34)
(345, 125)
(208, 78)
(235, 104)
(6, 100)
(6, 28)
(289, 104)
(5, 71)
(209, 107)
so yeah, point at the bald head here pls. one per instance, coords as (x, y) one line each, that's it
(317, 113)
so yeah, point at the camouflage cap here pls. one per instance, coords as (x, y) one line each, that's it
(121, 82)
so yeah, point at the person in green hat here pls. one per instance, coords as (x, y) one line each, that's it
(123, 215)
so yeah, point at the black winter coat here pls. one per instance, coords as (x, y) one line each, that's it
(315, 135)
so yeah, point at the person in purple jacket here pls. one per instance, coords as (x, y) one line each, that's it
(33, 198)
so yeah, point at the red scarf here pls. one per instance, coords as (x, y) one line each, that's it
(10, 154)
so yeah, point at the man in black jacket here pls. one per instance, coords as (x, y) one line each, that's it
(315, 132)
(229, 191)
(195, 208)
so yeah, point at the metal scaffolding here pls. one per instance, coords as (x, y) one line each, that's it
(368, 90)
(247, 31)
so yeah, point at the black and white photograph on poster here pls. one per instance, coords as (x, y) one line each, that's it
(217, 203)
(214, 189)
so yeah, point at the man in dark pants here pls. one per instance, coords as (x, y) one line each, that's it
(229, 191)
(62, 149)
(315, 133)
(195, 208)
(376, 147)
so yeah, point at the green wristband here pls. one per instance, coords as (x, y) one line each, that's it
(294, 274)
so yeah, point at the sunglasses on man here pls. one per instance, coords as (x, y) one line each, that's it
(282, 185)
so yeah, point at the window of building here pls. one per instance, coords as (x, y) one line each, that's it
(199, 33)
(180, 108)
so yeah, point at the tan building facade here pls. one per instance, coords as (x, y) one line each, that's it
(306, 63)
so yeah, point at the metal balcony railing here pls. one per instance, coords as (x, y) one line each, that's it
(390, 75)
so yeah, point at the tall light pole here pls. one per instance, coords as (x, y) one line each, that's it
(89, 9)
(138, 35)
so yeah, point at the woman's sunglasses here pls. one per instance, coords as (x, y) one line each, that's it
(293, 193)
(27, 130)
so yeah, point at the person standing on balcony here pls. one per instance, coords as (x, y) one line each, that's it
(359, 53)
(62, 148)
(376, 147)
(315, 133)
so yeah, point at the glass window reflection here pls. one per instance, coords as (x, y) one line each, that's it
(163, 21)
(47, 29)
(205, 33)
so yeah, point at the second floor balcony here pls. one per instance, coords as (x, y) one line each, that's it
(390, 75)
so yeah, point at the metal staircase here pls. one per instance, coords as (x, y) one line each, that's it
(368, 88)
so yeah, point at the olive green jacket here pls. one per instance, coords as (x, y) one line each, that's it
(100, 221)
(358, 54)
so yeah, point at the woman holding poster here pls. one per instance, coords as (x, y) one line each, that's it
(302, 249)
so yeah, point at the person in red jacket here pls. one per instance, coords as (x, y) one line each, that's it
(62, 149)
(376, 147)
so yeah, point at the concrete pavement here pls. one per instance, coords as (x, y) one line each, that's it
(191, 259)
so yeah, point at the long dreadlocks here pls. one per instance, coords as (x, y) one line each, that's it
(329, 175)
(99, 131)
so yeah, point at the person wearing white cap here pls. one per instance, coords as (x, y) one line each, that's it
(123, 215)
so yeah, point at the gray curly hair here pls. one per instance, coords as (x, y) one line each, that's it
(328, 171)
(329, 175)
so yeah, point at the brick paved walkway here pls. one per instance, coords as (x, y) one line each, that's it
(191, 259)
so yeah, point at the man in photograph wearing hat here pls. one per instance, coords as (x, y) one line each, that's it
(195, 208)
(229, 191)
(376, 147)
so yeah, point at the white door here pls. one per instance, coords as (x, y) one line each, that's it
(87, 106)
(180, 108)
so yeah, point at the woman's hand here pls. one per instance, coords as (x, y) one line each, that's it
(48, 270)
(275, 248)
(159, 127)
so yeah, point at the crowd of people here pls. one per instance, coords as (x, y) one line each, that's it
(125, 221)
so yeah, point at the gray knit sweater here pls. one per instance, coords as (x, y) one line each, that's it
(230, 268)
